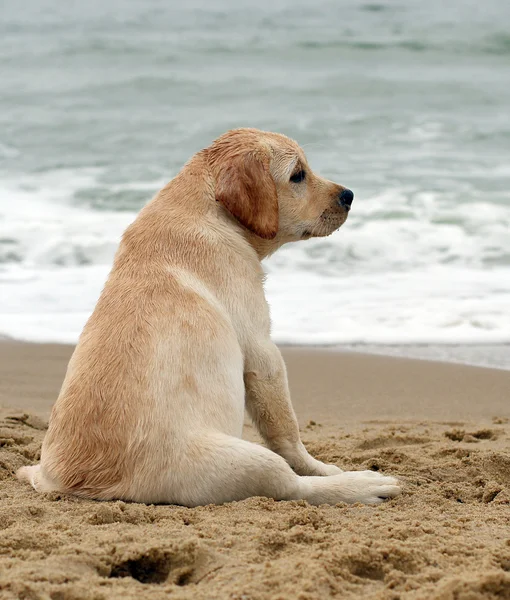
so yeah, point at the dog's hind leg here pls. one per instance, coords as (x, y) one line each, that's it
(219, 468)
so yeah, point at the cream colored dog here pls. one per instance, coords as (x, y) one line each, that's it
(153, 402)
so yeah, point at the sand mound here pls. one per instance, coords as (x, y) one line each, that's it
(446, 537)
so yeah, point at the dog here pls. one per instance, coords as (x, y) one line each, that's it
(152, 406)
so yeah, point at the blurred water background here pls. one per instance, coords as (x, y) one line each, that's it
(405, 102)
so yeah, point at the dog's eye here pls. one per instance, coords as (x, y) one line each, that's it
(298, 177)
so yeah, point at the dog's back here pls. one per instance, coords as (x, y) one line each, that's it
(159, 338)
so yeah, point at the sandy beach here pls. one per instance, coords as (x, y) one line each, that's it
(444, 429)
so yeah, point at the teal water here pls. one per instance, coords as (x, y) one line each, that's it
(407, 103)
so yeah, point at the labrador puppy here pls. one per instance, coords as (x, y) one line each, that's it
(152, 405)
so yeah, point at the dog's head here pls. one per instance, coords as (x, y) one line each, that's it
(264, 181)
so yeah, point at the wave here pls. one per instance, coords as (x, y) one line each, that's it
(497, 44)
(409, 266)
(441, 305)
(73, 217)
(40, 227)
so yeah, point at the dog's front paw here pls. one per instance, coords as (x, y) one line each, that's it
(369, 487)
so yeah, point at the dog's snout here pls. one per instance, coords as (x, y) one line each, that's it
(345, 198)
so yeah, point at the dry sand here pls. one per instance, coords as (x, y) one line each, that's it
(444, 429)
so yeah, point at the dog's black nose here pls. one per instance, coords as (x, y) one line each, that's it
(345, 199)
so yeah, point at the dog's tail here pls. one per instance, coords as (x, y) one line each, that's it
(35, 478)
(30, 475)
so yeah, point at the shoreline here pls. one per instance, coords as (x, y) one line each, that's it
(491, 355)
(324, 381)
(494, 356)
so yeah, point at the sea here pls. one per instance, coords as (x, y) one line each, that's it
(405, 102)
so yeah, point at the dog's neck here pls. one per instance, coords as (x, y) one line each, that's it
(262, 247)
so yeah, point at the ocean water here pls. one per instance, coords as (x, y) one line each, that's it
(407, 103)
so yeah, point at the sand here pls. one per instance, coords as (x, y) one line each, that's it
(444, 429)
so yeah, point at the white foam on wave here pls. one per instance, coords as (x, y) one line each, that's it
(48, 304)
(408, 267)
(39, 227)
(433, 305)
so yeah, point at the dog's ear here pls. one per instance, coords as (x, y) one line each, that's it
(246, 188)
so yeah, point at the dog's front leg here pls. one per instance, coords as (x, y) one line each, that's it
(268, 404)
